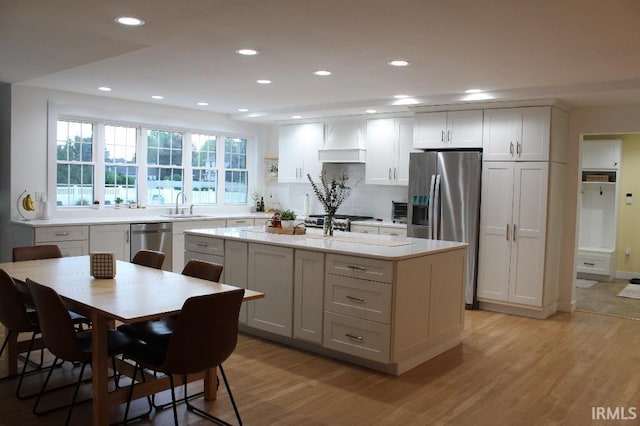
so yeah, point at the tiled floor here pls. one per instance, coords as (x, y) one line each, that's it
(603, 298)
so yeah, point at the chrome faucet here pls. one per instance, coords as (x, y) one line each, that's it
(177, 197)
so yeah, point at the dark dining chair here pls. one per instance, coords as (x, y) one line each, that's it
(205, 335)
(150, 258)
(64, 342)
(46, 251)
(161, 329)
(16, 319)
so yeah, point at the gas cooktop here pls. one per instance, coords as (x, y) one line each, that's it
(341, 222)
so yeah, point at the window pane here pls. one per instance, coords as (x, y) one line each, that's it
(121, 182)
(205, 186)
(235, 187)
(120, 144)
(235, 153)
(163, 184)
(205, 175)
(74, 185)
(74, 180)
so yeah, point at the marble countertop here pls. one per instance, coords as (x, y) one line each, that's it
(384, 247)
(112, 220)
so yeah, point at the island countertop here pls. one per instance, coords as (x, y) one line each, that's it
(384, 247)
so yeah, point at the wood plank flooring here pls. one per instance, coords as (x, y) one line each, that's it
(509, 370)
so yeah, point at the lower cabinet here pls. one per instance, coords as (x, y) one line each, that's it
(111, 238)
(308, 291)
(271, 272)
(72, 240)
(236, 259)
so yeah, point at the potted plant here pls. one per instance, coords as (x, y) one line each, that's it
(287, 217)
(273, 169)
(118, 201)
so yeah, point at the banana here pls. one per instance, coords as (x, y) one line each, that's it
(28, 204)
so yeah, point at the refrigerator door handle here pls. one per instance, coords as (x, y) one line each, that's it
(514, 232)
(436, 210)
(430, 208)
(508, 227)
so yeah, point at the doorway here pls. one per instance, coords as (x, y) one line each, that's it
(614, 228)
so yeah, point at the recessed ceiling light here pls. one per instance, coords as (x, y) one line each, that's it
(246, 52)
(129, 21)
(401, 96)
(104, 88)
(322, 73)
(296, 116)
(157, 97)
(203, 103)
(263, 81)
(371, 111)
(243, 110)
(399, 63)
(473, 91)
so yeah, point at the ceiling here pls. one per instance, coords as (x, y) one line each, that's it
(582, 52)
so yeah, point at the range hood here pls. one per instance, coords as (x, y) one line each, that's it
(344, 143)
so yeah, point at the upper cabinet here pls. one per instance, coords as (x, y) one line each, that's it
(601, 155)
(453, 129)
(525, 134)
(389, 142)
(298, 147)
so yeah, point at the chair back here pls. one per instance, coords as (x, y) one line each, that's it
(50, 251)
(58, 332)
(13, 313)
(202, 269)
(150, 258)
(206, 333)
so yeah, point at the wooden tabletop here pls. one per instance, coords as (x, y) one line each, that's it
(136, 293)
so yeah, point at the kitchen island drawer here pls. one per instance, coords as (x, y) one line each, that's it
(247, 221)
(364, 299)
(357, 337)
(61, 233)
(360, 267)
(204, 245)
(395, 231)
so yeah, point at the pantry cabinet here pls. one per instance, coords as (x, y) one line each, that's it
(298, 147)
(525, 134)
(452, 129)
(518, 260)
(389, 142)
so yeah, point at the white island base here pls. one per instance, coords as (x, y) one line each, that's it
(383, 302)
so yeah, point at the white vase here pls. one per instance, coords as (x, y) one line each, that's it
(287, 224)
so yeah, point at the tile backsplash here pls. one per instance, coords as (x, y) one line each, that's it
(368, 200)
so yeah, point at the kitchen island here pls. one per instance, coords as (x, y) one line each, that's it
(383, 302)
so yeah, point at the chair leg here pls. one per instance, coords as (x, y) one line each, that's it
(24, 370)
(130, 395)
(75, 394)
(42, 390)
(173, 399)
(209, 416)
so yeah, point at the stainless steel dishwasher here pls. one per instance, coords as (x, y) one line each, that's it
(153, 236)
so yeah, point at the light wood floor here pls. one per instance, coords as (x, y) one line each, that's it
(509, 370)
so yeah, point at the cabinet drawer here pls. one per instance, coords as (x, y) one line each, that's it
(61, 233)
(594, 263)
(400, 232)
(206, 245)
(72, 248)
(359, 267)
(240, 222)
(358, 337)
(364, 299)
(365, 229)
(180, 226)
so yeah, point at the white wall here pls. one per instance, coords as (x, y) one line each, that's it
(29, 117)
(584, 121)
(5, 170)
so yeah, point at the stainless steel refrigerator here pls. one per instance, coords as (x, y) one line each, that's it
(444, 203)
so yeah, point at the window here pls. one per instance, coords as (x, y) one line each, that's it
(74, 165)
(164, 161)
(204, 184)
(235, 175)
(121, 170)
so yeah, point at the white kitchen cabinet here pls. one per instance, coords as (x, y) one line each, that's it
(298, 147)
(525, 134)
(365, 228)
(389, 142)
(308, 291)
(518, 264)
(178, 239)
(448, 129)
(271, 272)
(245, 221)
(393, 230)
(72, 240)
(236, 259)
(601, 154)
(111, 238)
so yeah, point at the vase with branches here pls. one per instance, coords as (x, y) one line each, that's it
(332, 193)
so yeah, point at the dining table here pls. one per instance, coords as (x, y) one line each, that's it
(136, 293)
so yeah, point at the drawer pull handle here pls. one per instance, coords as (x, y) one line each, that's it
(589, 264)
(241, 221)
(62, 234)
(356, 299)
(351, 336)
(357, 268)
(202, 245)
